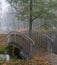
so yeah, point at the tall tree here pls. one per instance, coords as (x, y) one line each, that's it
(29, 10)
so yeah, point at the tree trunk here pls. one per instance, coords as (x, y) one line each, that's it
(30, 21)
(30, 26)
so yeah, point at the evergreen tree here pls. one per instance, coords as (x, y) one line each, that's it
(30, 10)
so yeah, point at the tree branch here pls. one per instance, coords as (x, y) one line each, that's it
(36, 17)
(13, 6)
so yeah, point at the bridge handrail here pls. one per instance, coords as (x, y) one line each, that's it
(30, 42)
(27, 37)
(47, 38)
(44, 35)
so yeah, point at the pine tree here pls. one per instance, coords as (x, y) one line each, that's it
(30, 10)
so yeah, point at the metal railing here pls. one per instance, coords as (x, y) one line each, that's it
(42, 40)
(26, 41)
(22, 41)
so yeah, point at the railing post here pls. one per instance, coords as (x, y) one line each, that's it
(15, 37)
(30, 53)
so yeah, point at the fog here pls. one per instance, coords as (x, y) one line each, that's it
(8, 20)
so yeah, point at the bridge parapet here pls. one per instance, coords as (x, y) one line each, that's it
(42, 40)
(25, 41)
(22, 41)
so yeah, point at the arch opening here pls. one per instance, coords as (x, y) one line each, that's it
(14, 52)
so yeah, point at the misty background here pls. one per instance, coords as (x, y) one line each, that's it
(8, 20)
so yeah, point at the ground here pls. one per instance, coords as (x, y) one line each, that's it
(3, 39)
(44, 58)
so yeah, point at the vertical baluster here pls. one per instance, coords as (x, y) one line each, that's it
(40, 40)
(46, 43)
(37, 39)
